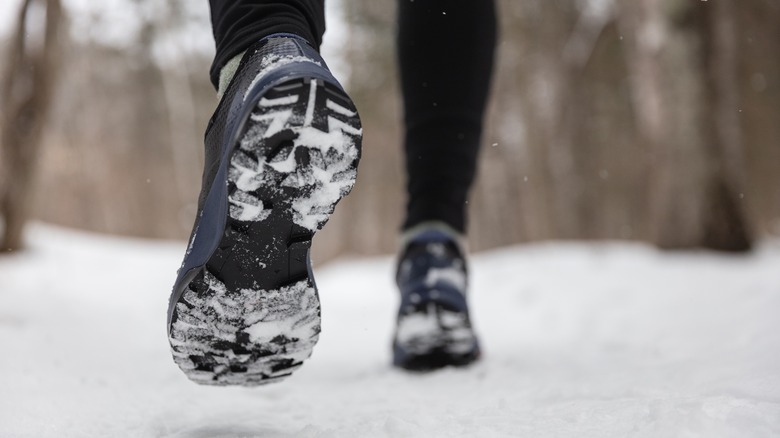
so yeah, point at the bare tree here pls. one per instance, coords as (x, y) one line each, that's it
(683, 60)
(27, 90)
(758, 40)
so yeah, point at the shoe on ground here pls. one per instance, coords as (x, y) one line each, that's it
(281, 150)
(433, 327)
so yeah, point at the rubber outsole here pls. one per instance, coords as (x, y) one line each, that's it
(251, 314)
(433, 336)
(434, 360)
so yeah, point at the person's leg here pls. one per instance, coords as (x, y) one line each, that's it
(281, 150)
(445, 52)
(237, 24)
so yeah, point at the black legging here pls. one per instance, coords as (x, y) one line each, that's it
(445, 50)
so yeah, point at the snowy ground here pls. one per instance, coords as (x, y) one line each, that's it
(580, 340)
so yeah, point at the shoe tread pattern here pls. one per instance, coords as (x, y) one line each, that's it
(252, 314)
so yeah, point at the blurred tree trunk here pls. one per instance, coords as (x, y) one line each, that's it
(27, 89)
(685, 89)
(759, 111)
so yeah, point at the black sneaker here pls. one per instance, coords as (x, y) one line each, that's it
(281, 150)
(434, 329)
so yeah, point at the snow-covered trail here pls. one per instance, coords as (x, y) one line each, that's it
(580, 340)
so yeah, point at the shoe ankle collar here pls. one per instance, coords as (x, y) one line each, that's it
(433, 231)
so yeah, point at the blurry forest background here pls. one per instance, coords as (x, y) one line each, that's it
(652, 120)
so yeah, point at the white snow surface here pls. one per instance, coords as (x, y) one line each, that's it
(580, 340)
